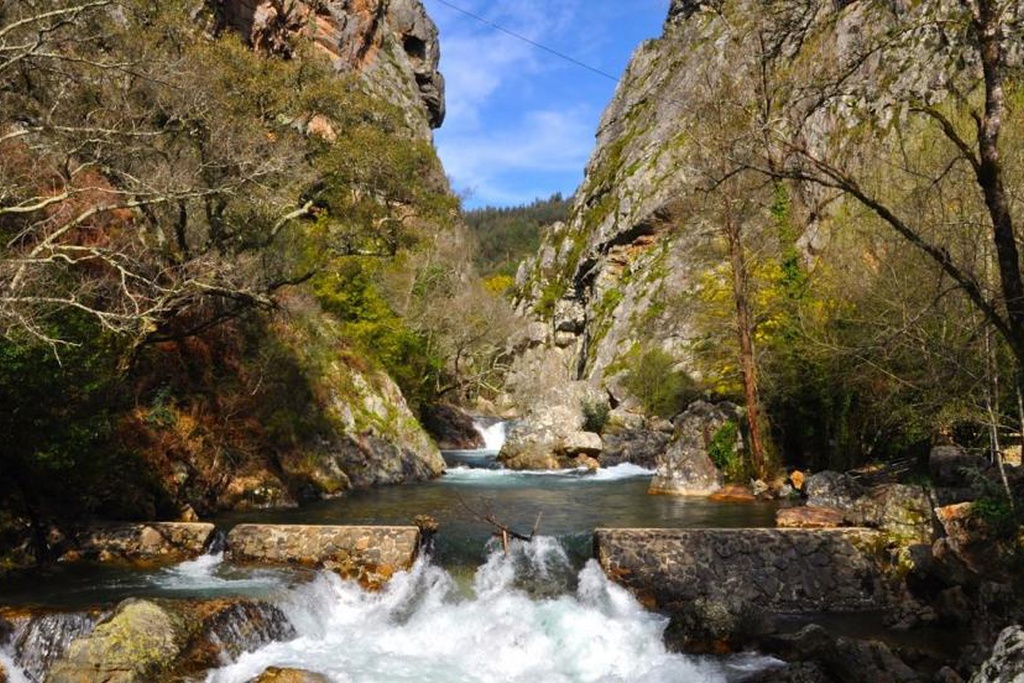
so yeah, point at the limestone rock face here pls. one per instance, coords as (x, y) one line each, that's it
(393, 44)
(376, 439)
(686, 468)
(1006, 665)
(550, 405)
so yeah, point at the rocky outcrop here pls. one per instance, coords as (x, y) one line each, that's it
(372, 439)
(640, 445)
(392, 44)
(685, 468)
(370, 555)
(156, 541)
(902, 511)
(824, 658)
(549, 433)
(1006, 665)
(722, 584)
(452, 428)
(144, 641)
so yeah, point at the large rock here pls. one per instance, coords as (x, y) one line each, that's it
(155, 541)
(579, 443)
(902, 511)
(144, 641)
(451, 427)
(1006, 665)
(639, 445)
(832, 489)
(550, 434)
(719, 583)
(370, 555)
(967, 537)
(38, 638)
(686, 468)
(840, 659)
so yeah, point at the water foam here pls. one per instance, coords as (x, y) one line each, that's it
(14, 674)
(493, 435)
(474, 475)
(209, 574)
(422, 628)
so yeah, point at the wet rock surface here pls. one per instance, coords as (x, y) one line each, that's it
(822, 657)
(149, 641)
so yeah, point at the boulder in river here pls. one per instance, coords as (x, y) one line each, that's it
(1006, 665)
(826, 658)
(639, 445)
(150, 640)
(451, 427)
(685, 468)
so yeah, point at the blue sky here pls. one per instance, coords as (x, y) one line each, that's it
(521, 121)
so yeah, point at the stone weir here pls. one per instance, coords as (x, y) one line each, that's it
(721, 584)
(369, 555)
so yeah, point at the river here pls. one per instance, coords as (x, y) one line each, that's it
(469, 612)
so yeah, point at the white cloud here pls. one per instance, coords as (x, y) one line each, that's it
(542, 142)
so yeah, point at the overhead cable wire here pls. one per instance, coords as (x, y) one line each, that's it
(519, 36)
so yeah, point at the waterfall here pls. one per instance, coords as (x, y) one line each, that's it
(526, 616)
(38, 641)
(493, 434)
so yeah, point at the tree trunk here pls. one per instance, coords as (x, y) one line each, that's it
(745, 334)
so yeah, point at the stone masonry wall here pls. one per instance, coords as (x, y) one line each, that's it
(370, 555)
(748, 570)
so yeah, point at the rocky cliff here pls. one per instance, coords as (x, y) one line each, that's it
(642, 267)
(392, 44)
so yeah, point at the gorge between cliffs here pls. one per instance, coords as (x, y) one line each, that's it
(277, 407)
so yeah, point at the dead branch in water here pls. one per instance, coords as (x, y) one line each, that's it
(502, 531)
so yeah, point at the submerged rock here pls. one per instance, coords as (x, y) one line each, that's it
(1006, 665)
